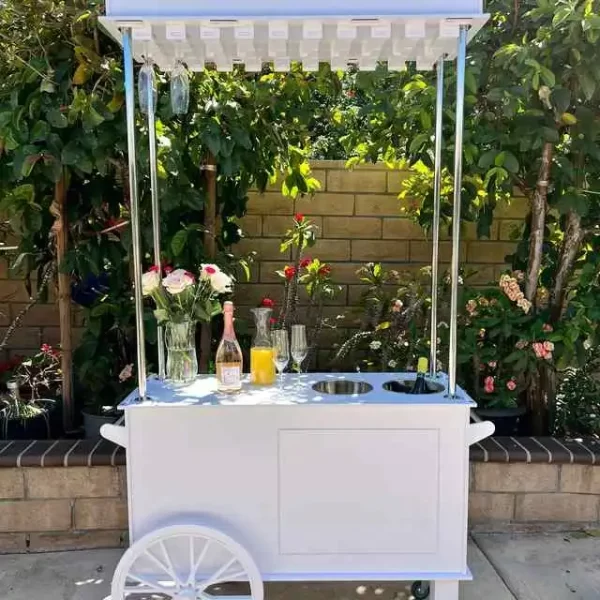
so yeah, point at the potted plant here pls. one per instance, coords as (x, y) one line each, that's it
(31, 397)
(501, 346)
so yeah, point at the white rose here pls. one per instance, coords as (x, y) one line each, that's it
(178, 281)
(392, 364)
(150, 282)
(208, 271)
(375, 345)
(221, 283)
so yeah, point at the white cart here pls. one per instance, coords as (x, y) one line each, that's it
(331, 477)
(294, 484)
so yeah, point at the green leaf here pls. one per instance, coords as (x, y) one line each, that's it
(560, 99)
(179, 241)
(487, 159)
(511, 163)
(561, 15)
(40, 132)
(57, 119)
(29, 163)
(547, 76)
(72, 154)
(588, 85)
(578, 203)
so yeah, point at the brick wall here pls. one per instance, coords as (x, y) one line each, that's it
(359, 217)
(57, 508)
(360, 220)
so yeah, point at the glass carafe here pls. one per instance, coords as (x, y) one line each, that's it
(262, 366)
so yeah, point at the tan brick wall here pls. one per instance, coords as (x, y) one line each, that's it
(62, 508)
(53, 509)
(520, 495)
(359, 219)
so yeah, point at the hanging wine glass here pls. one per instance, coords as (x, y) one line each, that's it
(180, 89)
(147, 81)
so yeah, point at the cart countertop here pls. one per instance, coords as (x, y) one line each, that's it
(296, 389)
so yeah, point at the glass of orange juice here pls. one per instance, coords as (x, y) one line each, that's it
(262, 365)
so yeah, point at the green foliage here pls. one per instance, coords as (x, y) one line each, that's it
(393, 326)
(502, 343)
(62, 116)
(578, 400)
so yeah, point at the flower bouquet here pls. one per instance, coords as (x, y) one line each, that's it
(181, 301)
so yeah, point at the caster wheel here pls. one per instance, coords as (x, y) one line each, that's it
(420, 590)
(186, 562)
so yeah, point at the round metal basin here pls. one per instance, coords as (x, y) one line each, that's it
(342, 387)
(405, 386)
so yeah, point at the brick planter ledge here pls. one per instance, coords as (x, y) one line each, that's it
(524, 484)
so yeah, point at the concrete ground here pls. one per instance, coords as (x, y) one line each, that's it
(505, 566)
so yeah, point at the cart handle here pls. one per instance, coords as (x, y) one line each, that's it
(479, 431)
(115, 434)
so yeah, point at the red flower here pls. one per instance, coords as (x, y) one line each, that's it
(46, 348)
(154, 269)
(167, 269)
(273, 321)
(209, 270)
(325, 270)
(489, 385)
(267, 303)
(289, 272)
(299, 217)
(305, 262)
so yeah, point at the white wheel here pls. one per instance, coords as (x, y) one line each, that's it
(186, 562)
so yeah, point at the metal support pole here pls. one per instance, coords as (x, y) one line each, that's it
(135, 212)
(458, 150)
(160, 339)
(437, 191)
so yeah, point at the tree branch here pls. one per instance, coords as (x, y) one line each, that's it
(538, 222)
(574, 235)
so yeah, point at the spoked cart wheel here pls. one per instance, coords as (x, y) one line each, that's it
(420, 590)
(187, 562)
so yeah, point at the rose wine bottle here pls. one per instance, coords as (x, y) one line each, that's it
(229, 359)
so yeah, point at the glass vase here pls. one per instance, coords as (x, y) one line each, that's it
(182, 362)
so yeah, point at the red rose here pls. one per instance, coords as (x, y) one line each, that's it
(267, 303)
(168, 270)
(46, 348)
(325, 270)
(305, 262)
(154, 269)
(273, 321)
(299, 217)
(289, 272)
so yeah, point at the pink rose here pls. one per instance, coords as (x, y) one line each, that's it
(511, 385)
(548, 346)
(178, 281)
(547, 328)
(488, 385)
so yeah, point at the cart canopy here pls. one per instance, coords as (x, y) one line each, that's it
(339, 32)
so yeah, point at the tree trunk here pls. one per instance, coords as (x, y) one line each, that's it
(210, 248)
(538, 223)
(571, 245)
(61, 233)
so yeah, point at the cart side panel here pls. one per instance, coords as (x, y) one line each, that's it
(368, 493)
(312, 492)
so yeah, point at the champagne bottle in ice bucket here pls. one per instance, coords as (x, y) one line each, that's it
(420, 386)
(229, 360)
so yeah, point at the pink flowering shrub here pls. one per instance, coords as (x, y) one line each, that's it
(502, 342)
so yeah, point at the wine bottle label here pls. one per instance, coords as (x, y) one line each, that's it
(230, 375)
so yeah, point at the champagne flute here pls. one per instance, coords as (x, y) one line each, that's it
(281, 351)
(299, 345)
